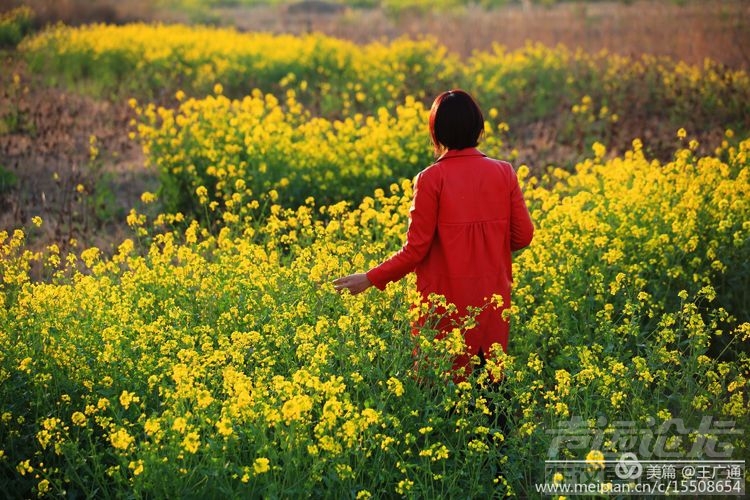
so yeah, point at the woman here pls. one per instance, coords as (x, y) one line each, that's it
(467, 216)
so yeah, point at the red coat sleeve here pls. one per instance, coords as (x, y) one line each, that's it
(422, 223)
(521, 227)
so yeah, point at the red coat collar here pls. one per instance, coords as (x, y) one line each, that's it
(457, 153)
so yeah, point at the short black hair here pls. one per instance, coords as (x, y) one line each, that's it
(456, 122)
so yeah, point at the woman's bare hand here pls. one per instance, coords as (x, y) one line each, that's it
(355, 283)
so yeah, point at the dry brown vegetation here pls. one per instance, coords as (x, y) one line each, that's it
(75, 12)
(719, 30)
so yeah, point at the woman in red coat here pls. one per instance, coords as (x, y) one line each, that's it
(467, 216)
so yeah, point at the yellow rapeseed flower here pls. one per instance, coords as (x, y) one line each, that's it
(78, 419)
(395, 386)
(121, 439)
(595, 460)
(191, 442)
(261, 465)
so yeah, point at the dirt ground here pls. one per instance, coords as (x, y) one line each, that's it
(49, 156)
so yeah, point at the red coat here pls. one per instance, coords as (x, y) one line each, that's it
(467, 216)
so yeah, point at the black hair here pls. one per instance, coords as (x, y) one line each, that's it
(456, 122)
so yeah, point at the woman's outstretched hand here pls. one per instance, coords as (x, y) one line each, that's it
(355, 283)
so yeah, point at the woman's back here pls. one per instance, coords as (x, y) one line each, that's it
(479, 217)
(474, 188)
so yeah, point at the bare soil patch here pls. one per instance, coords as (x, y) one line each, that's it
(48, 153)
